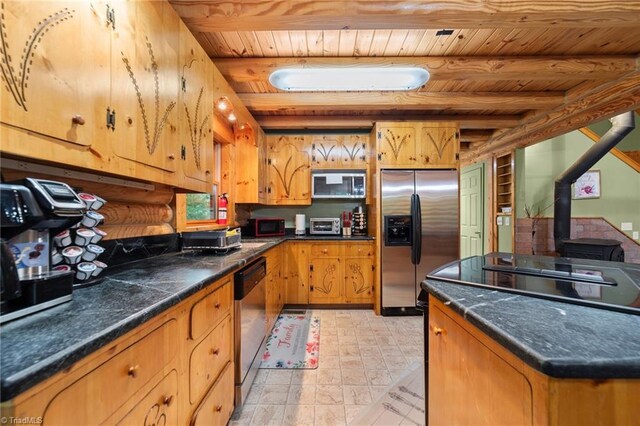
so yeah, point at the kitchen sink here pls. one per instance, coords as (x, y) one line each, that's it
(252, 245)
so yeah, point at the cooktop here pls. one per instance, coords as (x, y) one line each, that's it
(608, 285)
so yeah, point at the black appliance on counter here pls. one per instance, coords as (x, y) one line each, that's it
(264, 227)
(32, 211)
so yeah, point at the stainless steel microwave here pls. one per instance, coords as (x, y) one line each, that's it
(338, 184)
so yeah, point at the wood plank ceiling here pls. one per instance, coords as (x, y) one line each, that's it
(511, 73)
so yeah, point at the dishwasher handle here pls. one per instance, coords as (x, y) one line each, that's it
(248, 277)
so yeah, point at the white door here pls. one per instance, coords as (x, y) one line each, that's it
(471, 213)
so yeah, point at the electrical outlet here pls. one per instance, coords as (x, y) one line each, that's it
(507, 220)
(635, 235)
(626, 226)
(499, 220)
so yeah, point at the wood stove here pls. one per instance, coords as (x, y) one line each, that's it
(593, 248)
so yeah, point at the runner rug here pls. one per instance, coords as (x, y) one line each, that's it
(294, 342)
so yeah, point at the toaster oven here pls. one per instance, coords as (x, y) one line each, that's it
(324, 226)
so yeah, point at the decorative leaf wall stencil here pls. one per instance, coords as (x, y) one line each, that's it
(396, 142)
(158, 125)
(18, 82)
(440, 147)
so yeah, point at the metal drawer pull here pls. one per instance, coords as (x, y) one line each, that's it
(133, 371)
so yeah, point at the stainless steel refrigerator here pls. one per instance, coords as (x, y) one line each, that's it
(420, 232)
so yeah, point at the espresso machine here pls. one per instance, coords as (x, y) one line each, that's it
(32, 211)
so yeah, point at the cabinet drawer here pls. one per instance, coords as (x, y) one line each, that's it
(274, 258)
(158, 407)
(217, 406)
(119, 379)
(209, 310)
(325, 250)
(208, 359)
(358, 250)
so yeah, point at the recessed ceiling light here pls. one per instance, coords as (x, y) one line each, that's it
(232, 117)
(333, 79)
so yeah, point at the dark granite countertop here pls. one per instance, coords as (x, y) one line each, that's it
(40, 345)
(558, 339)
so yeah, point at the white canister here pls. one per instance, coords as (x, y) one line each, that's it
(300, 224)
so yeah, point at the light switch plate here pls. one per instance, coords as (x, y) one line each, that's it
(626, 226)
(507, 220)
(635, 235)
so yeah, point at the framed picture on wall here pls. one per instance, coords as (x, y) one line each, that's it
(587, 185)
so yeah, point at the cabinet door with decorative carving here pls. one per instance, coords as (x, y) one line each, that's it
(158, 407)
(325, 151)
(195, 108)
(55, 69)
(358, 280)
(144, 84)
(396, 145)
(355, 154)
(439, 145)
(325, 280)
(288, 168)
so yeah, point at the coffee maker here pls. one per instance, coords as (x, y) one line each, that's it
(32, 211)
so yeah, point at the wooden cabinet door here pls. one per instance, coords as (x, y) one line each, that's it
(195, 108)
(475, 386)
(354, 152)
(325, 151)
(358, 280)
(288, 166)
(325, 280)
(439, 145)
(158, 407)
(145, 84)
(216, 408)
(55, 66)
(396, 144)
(296, 273)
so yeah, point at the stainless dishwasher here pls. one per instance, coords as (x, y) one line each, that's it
(250, 325)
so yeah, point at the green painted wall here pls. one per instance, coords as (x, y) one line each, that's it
(505, 240)
(538, 166)
(630, 143)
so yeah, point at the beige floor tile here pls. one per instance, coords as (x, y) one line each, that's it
(386, 341)
(304, 376)
(351, 411)
(377, 391)
(351, 362)
(397, 373)
(299, 415)
(378, 377)
(349, 350)
(243, 415)
(274, 394)
(348, 331)
(370, 351)
(347, 340)
(329, 395)
(390, 350)
(329, 376)
(366, 340)
(329, 361)
(374, 363)
(279, 376)
(395, 361)
(356, 395)
(328, 350)
(354, 376)
(268, 415)
(261, 377)
(329, 416)
(301, 394)
(254, 394)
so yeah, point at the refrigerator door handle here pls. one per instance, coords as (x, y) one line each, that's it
(417, 230)
(415, 238)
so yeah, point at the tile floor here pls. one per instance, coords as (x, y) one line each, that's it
(361, 354)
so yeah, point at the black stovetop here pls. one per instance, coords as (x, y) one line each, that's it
(608, 285)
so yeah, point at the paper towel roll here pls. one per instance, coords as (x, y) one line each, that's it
(300, 224)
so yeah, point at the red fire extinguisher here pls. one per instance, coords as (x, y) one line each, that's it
(223, 202)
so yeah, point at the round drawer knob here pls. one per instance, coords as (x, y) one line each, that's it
(215, 351)
(218, 408)
(325, 251)
(438, 331)
(133, 371)
(217, 305)
(167, 400)
(77, 119)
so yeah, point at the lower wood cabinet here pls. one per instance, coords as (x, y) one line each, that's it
(175, 369)
(274, 290)
(330, 272)
(473, 380)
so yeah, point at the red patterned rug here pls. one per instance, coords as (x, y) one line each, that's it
(294, 342)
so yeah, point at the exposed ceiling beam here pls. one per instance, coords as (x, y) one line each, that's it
(475, 136)
(260, 15)
(246, 70)
(332, 101)
(580, 109)
(366, 121)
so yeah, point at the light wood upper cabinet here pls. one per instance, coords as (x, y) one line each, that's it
(439, 145)
(145, 83)
(45, 45)
(195, 108)
(288, 170)
(325, 151)
(419, 145)
(355, 152)
(396, 144)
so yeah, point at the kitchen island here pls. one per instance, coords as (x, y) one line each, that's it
(502, 358)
